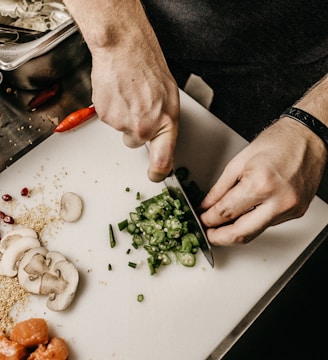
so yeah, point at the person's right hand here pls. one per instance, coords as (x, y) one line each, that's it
(134, 92)
(133, 89)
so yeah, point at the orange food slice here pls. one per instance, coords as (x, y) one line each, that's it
(31, 332)
(56, 349)
(11, 350)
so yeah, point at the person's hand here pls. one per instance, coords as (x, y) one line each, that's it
(133, 89)
(271, 181)
(134, 92)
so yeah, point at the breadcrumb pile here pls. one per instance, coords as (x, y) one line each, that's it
(13, 299)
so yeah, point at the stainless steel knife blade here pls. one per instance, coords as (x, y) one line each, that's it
(176, 189)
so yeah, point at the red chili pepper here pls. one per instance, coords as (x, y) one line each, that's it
(76, 118)
(43, 97)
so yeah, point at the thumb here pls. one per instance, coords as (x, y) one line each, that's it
(161, 156)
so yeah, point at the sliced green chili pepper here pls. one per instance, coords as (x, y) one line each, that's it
(140, 298)
(132, 264)
(112, 240)
(161, 225)
(123, 224)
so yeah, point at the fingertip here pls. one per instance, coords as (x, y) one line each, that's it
(225, 236)
(161, 159)
(157, 175)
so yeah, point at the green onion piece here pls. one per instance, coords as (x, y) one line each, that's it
(132, 264)
(140, 298)
(109, 267)
(111, 236)
(123, 224)
(127, 189)
(138, 196)
(128, 251)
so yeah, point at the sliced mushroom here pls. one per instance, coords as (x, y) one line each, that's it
(61, 286)
(31, 268)
(71, 206)
(52, 258)
(13, 235)
(14, 252)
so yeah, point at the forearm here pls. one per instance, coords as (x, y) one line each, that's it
(106, 24)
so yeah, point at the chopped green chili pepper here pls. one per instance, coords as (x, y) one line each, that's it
(123, 224)
(112, 240)
(136, 246)
(161, 225)
(137, 239)
(186, 259)
(131, 227)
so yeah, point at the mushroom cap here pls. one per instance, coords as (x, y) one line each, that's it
(61, 288)
(31, 268)
(13, 254)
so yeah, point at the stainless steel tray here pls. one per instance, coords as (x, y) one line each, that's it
(14, 55)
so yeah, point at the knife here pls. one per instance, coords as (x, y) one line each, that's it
(176, 190)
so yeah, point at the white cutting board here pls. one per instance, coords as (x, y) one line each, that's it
(187, 312)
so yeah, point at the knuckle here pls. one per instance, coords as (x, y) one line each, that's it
(263, 186)
(293, 204)
(226, 214)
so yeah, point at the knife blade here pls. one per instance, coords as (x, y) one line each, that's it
(176, 189)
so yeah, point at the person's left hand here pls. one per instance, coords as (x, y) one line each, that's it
(271, 181)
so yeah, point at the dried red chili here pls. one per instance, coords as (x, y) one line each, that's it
(7, 197)
(24, 191)
(9, 219)
(43, 97)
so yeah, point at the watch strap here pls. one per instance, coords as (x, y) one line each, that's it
(309, 121)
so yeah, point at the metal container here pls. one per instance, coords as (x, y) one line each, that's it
(32, 59)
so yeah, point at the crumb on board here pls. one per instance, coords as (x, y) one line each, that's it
(40, 216)
(37, 218)
(13, 299)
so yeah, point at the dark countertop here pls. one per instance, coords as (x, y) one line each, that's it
(21, 130)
